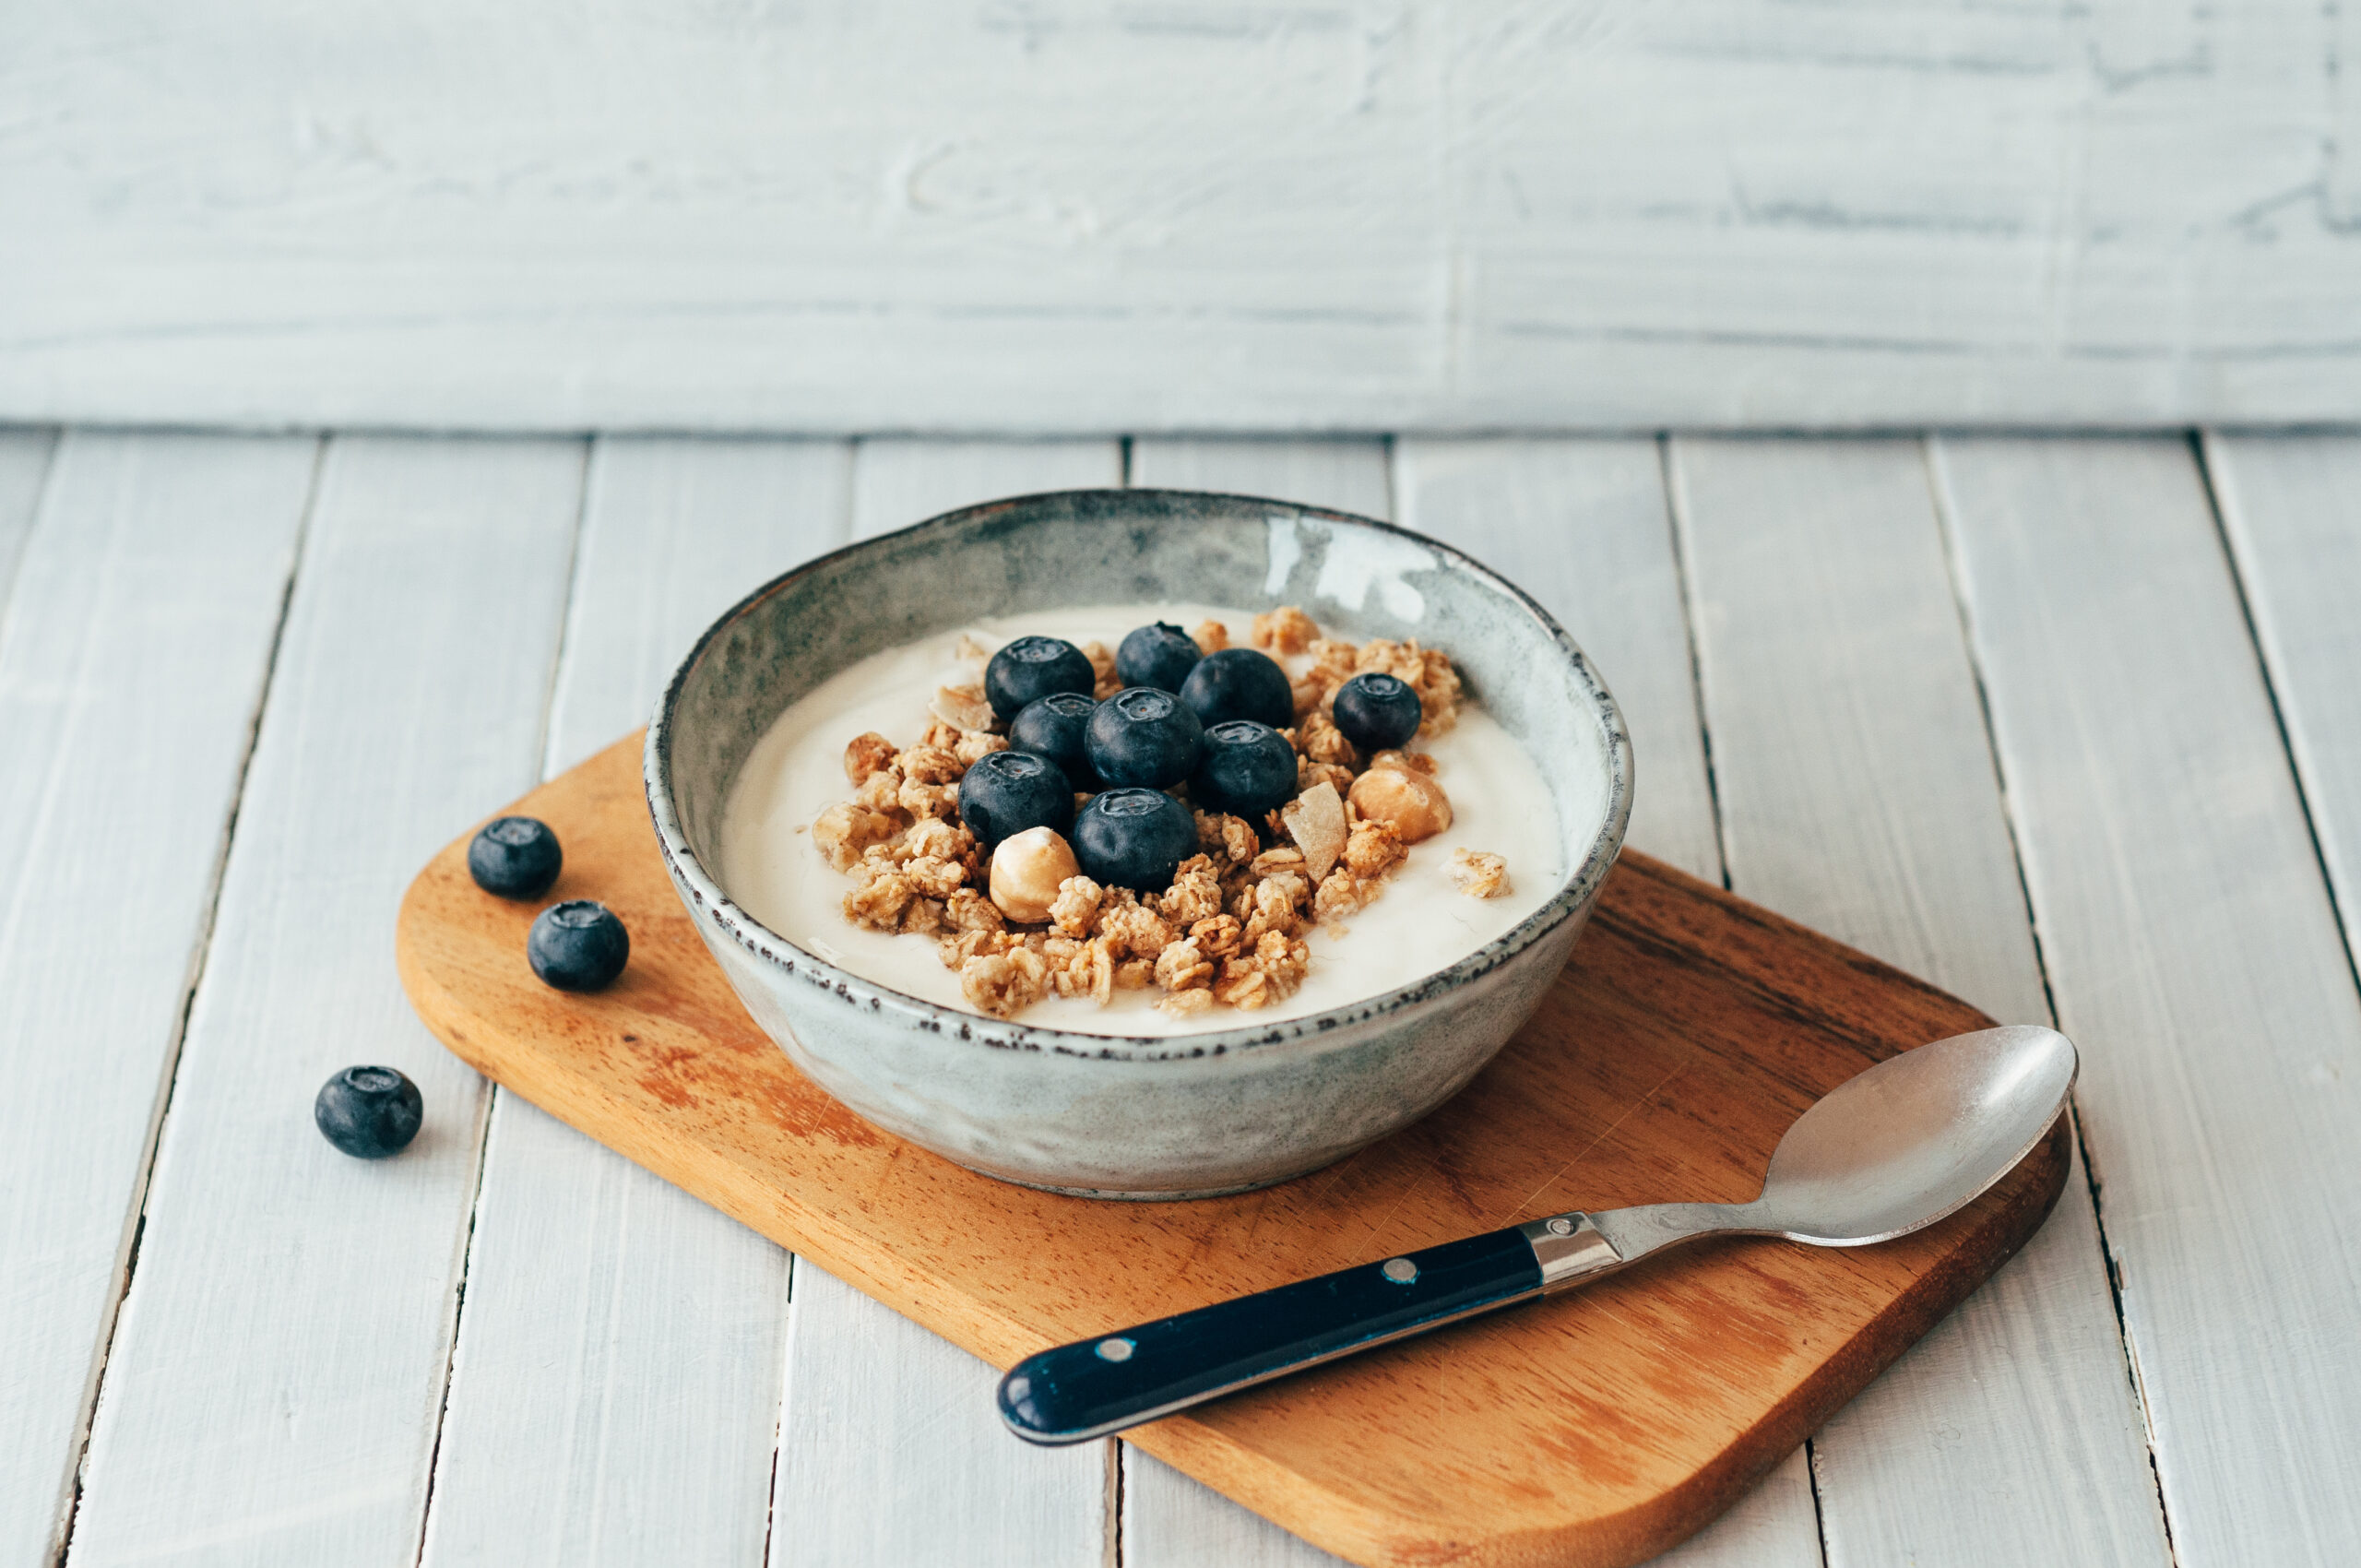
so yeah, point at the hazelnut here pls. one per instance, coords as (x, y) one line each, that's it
(1405, 762)
(1027, 871)
(1411, 803)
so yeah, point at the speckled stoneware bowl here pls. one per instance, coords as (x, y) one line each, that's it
(1185, 1116)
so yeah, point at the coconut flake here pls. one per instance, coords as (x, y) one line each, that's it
(1316, 819)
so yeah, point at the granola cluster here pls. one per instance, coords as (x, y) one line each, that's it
(1232, 929)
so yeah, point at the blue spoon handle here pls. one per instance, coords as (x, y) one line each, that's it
(1096, 1386)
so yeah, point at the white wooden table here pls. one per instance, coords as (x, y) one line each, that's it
(2072, 726)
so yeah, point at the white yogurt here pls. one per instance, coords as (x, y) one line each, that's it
(1423, 923)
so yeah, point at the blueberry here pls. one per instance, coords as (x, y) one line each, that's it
(1157, 655)
(370, 1112)
(1143, 737)
(577, 945)
(1377, 712)
(1134, 838)
(515, 857)
(1248, 769)
(1053, 727)
(1238, 682)
(1030, 669)
(1006, 792)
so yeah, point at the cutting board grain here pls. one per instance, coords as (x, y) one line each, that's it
(1594, 1428)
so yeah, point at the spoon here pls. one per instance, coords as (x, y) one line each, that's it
(1892, 1150)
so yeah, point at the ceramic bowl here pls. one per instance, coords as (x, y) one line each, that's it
(1167, 1117)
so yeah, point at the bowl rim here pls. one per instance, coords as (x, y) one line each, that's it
(713, 903)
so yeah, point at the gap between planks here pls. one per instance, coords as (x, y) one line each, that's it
(1947, 522)
(2313, 792)
(1680, 546)
(2195, 920)
(28, 457)
(200, 952)
(369, 523)
(611, 1320)
(1859, 796)
(489, 1102)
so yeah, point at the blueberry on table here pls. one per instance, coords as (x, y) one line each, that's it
(1377, 712)
(1159, 655)
(1238, 682)
(1134, 838)
(517, 857)
(1143, 737)
(577, 945)
(1246, 769)
(1005, 793)
(1054, 727)
(369, 1112)
(1030, 669)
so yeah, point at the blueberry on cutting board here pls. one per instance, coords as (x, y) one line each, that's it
(1376, 712)
(1159, 655)
(1134, 838)
(1030, 669)
(517, 857)
(1006, 792)
(577, 945)
(1144, 737)
(1238, 682)
(1247, 770)
(369, 1112)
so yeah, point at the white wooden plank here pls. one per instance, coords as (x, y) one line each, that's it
(24, 465)
(1856, 780)
(899, 481)
(1582, 527)
(1367, 216)
(1349, 476)
(277, 1377)
(890, 1447)
(1775, 1526)
(2291, 506)
(673, 533)
(891, 1451)
(1858, 795)
(615, 1388)
(2194, 956)
(1170, 1521)
(131, 667)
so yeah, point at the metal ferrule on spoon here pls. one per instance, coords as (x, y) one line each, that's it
(1892, 1150)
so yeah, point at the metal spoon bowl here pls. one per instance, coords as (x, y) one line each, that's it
(1888, 1151)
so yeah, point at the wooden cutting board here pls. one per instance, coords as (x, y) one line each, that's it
(1594, 1428)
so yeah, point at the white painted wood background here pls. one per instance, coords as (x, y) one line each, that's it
(2068, 726)
(1062, 215)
